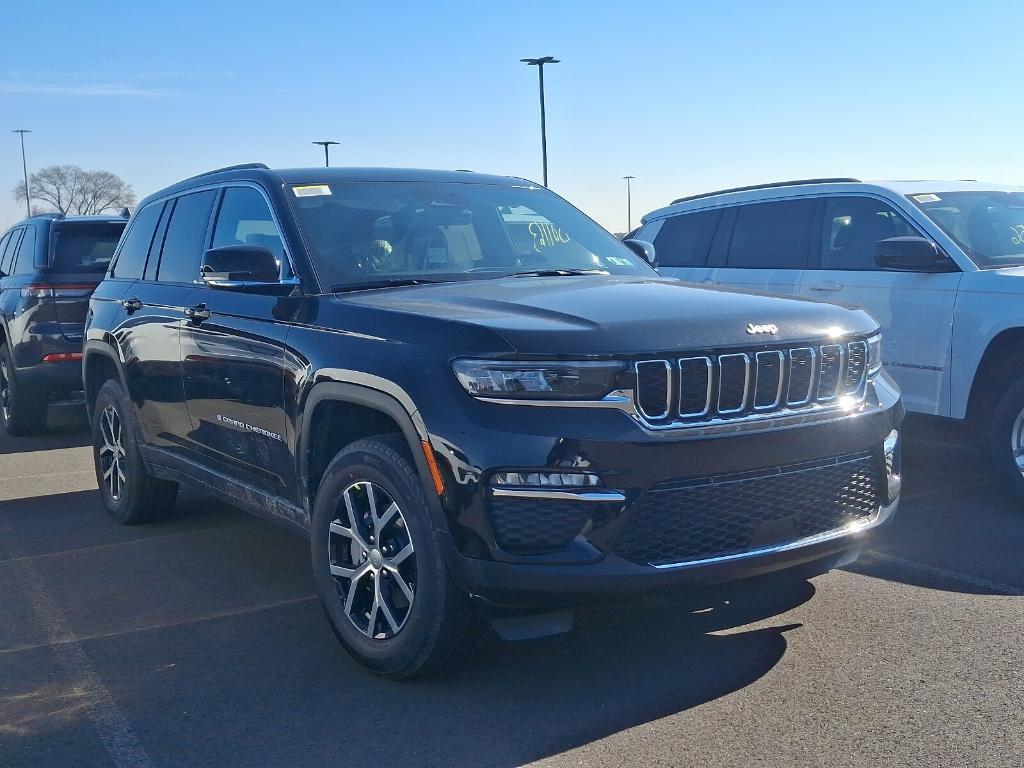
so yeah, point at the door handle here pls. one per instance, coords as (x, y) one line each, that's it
(827, 285)
(134, 304)
(198, 313)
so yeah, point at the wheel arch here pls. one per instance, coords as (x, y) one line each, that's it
(998, 366)
(100, 362)
(326, 396)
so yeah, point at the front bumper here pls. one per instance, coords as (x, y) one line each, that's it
(631, 463)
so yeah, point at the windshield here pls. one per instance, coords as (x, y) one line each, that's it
(988, 226)
(384, 232)
(85, 246)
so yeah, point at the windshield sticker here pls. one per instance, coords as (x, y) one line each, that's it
(1017, 238)
(546, 235)
(926, 198)
(618, 261)
(311, 190)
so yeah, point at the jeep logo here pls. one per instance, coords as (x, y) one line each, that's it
(762, 328)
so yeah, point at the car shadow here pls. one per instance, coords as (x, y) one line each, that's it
(66, 427)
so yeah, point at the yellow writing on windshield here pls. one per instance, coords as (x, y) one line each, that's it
(546, 235)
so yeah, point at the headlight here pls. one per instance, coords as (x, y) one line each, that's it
(874, 354)
(538, 381)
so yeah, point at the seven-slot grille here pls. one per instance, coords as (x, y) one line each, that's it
(693, 389)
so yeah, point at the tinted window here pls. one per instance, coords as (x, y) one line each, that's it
(851, 230)
(185, 239)
(683, 240)
(771, 235)
(3, 256)
(85, 246)
(245, 219)
(131, 261)
(7, 259)
(26, 253)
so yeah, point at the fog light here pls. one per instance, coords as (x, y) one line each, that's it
(556, 479)
(891, 450)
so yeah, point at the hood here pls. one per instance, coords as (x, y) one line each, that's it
(597, 314)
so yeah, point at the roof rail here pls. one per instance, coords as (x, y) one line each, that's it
(771, 185)
(240, 167)
(48, 215)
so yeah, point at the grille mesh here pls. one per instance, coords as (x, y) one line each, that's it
(533, 526)
(685, 520)
(652, 388)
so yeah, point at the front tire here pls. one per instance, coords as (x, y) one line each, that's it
(128, 491)
(1006, 447)
(378, 564)
(22, 412)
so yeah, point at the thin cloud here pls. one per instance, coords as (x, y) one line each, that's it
(82, 89)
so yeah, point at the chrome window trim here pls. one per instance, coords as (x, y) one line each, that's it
(810, 381)
(746, 382)
(668, 388)
(842, 372)
(707, 396)
(559, 495)
(757, 371)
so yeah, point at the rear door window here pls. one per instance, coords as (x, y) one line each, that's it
(683, 240)
(3, 256)
(851, 229)
(85, 247)
(25, 260)
(186, 238)
(7, 259)
(131, 260)
(772, 235)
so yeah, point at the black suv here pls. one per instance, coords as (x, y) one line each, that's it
(469, 395)
(49, 265)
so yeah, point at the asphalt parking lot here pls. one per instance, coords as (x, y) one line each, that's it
(198, 642)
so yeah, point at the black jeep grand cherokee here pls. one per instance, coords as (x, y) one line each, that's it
(465, 391)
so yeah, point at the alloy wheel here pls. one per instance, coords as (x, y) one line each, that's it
(1017, 441)
(5, 392)
(372, 560)
(112, 453)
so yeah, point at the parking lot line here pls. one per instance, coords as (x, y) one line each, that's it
(149, 628)
(111, 725)
(945, 573)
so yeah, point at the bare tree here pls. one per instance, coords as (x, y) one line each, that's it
(69, 189)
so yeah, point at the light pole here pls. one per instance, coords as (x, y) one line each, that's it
(539, 64)
(629, 204)
(327, 151)
(24, 169)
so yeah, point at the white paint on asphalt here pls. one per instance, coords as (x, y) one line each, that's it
(946, 573)
(111, 726)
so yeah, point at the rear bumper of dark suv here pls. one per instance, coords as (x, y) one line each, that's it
(672, 509)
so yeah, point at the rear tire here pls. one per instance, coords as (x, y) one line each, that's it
(1006, 438)
(128, 491)
(385, 552)
(22, 412)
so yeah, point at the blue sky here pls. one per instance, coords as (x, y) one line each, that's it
(685, 96)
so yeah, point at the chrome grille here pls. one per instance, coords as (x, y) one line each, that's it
(732, 384)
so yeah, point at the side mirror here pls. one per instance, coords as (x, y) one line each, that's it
(912, 254)
(247, 268)
(643, 249)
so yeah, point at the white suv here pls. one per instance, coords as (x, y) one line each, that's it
(940, 264)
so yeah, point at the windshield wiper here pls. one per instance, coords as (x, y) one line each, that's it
(557, 272)
(390, 283)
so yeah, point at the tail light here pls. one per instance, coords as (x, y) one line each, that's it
(62, 291)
